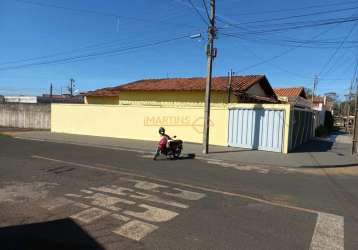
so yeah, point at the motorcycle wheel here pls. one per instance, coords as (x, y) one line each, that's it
(177, 154)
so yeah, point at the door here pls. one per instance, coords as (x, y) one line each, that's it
(260, 129)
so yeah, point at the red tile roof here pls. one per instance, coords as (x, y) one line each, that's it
(239, 83)
(101, 92)
(294, 91)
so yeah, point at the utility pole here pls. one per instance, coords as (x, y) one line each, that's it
(51, 90)
(72, 86)
(315, 83)
(355, 129)
(349, 97)
(211, 53)
(229, 86)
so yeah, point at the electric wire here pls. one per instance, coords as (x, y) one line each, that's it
(94, 55)
(299, 16)
(198, 12)
(318, 6)
(206, 10)
(337, 49)
(100, 13)
(280, 54)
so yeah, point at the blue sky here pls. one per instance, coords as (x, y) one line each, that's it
(54, 31)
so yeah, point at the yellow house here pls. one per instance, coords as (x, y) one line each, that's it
(245, 113)
(253, 88)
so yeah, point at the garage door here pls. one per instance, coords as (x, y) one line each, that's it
(260, 129)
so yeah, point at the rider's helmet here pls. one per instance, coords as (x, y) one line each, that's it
(161, 130)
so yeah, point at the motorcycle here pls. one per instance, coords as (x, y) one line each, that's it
(173, 149)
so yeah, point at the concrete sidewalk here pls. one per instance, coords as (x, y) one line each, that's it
(330, 152)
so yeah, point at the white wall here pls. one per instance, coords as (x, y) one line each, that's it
(20, 99)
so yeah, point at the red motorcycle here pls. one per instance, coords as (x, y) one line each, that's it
(172, 150)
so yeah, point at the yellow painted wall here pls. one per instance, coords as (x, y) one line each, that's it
(139, 122)
(142, 121)
(148, 97)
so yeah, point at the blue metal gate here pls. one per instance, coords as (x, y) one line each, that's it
(260, 129)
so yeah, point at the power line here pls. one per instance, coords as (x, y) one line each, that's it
(198, 12)
(94, 55)
(269, 61)
(296, 9)
(278, 55)
(299, 25)
(285, 43)
(300, 16)
(206, 10)
(337, 49)
(99, 13)
(93, 46)
(342, 60)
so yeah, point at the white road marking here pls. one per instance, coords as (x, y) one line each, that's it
(144, 154)
(81, 205)
(187, 195)
(113, 190)
(152, 214)
(154, 198)
(90, 215)
(73, 195)
(253, 168)
(116, 170)
(221, 163)
(145, 185)
(55, 203)
(107, 201)
(86, 191)
(237, 167)
(147, 156)
(135, 230)
(120, 217)
(328, 233)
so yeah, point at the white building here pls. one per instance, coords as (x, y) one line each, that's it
(20, 99)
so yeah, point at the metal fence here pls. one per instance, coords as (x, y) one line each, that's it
(302, 128)
(259, 128)
(25, 115)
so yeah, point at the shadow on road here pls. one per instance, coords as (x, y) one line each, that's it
(189, 156)
(54, 235)
(236, 150)
(331, 166)
(314, 145)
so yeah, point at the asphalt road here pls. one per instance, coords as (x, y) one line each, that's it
(60, 196)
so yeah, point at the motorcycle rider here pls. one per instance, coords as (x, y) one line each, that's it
(162, 145)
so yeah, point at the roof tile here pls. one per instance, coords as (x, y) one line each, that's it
(239, 83)
(293, 91)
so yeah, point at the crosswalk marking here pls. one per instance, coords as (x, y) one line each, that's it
(135, 230)
(185, 194)
(90, 215)
(328, 233)
(152, 214)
